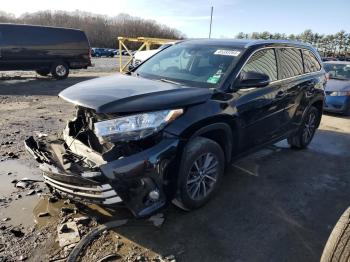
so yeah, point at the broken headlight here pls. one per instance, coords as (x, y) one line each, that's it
(134, 127)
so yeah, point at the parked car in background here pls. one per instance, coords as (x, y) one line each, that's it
(116, 51)
(166, 131)
(338, 87)
(100, 52)
(43, 49)
(325, 59)
(140, 56)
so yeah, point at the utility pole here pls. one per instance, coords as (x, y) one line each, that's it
(211, 20)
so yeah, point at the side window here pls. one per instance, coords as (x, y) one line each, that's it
(263, 61)
(291, 62)
(310, 62)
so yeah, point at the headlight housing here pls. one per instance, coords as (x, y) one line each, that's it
(340, 93)
(135, 127)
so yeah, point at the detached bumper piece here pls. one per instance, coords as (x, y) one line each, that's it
(103, 194)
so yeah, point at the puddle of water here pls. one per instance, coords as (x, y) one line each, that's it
(19, 170)
(18, 210)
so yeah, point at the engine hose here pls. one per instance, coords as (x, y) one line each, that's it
(85, 241)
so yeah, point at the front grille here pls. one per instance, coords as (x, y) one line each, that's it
(103, 194)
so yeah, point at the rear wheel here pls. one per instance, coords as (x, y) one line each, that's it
(201, 169)
(302, 138)
(60, 70)
(43, 72)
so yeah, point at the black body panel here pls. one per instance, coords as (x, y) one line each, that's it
(27, 47)
(125, 94)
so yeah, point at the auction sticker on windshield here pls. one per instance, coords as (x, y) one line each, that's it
(227, 52)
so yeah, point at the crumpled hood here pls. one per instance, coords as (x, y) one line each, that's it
(122, 93)
(337, 85)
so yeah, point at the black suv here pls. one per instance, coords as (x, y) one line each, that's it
(166, 131)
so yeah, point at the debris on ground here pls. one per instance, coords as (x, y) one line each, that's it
(17, 232)
(157, 219)
(68, 233)
(82, 220)
(44, 214)
(22, 184)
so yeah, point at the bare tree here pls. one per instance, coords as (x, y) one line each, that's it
(102, 31)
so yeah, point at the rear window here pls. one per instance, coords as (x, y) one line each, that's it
(310, 62)
(291, 62)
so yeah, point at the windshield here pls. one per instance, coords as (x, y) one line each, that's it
(338, 71)
(191, 65)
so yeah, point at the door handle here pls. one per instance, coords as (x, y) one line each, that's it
(280, 94)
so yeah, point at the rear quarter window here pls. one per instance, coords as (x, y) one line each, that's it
(311, 63)
(291, 62)
(263, 61)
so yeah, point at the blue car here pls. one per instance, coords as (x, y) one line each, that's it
(100, 52)
(338, 87)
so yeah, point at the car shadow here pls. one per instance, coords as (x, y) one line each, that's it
(342, 116)
(278, 204)
(32, 85)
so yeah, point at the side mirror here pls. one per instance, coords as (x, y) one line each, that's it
(252, 79)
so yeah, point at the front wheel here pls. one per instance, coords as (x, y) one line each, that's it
(302, 138)
(201, 169)
(60, 70)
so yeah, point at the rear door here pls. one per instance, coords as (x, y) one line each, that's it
(295, 83)
(260, 108)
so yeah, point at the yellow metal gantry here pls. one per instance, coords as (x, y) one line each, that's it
(146, 44)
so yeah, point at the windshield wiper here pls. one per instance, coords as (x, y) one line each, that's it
(171, 82)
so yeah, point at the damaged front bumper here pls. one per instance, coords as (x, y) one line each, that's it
(142, 181)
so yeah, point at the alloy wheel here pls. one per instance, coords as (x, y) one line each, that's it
(309, 128)
(202, 176)
(61, 70)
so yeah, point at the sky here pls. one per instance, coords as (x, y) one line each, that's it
(193, 17)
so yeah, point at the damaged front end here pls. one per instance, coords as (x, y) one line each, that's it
(81, 165)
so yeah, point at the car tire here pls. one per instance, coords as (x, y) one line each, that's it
(60, 70)
(43, 72)
(347, 110)
(337, 247)
(302, 138)
(201, 169)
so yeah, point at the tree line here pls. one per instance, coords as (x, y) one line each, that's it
(102, 31)
(336, 45)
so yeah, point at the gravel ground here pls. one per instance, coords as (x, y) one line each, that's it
(275, 205)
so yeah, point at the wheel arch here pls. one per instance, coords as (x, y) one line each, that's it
(317, 104)
(221, 129)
